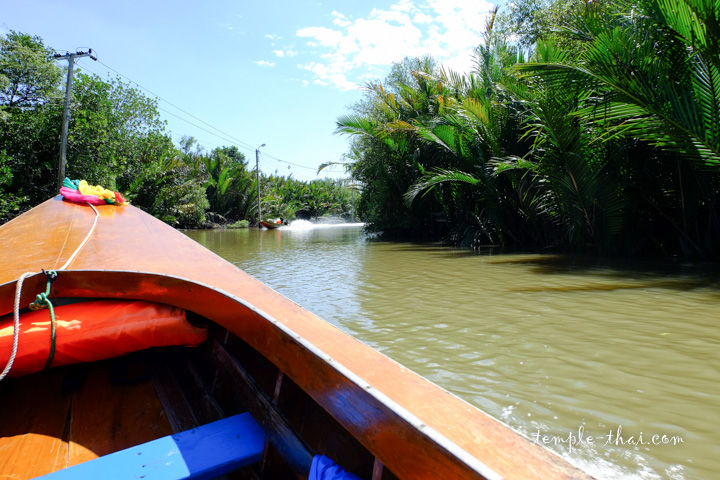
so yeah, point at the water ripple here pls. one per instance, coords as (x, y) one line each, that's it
(546, 344)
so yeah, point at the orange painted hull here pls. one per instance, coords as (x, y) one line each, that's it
(413, 427)
(269, 225)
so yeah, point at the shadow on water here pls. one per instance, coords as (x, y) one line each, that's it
(627, 273)
(642, 273)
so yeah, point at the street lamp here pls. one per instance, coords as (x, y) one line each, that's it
(257, 172)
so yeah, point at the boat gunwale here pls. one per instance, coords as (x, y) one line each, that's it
(451, 448)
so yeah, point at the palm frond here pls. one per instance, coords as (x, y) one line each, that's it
(355, 125)
(431, 180)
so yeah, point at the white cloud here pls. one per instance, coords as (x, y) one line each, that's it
(354, 50)
(285, 53)
(340, 19)
(327, 75)
(403, 6)
(327, 37)
(422, 18)
(264, 63)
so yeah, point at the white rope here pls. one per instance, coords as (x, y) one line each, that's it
(16, 323)
(18, 291)
(77, 250)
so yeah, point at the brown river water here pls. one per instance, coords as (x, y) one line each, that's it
(560, 348)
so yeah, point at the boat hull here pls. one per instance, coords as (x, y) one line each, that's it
(407, 425)
(270, 226)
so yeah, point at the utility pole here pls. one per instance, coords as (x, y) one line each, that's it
(257, 173)
(352, 201)
(70, 57)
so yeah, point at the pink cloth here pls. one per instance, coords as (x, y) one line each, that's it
(77, 197)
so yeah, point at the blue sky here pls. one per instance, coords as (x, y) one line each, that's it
(236, 72)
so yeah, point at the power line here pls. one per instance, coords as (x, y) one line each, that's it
(289, 163)
(225, 136)
(181, 118)
(205, 130)
(247, 145)
(243, 146)
(184, 120)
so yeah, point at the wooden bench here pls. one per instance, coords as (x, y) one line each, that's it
(204, 452)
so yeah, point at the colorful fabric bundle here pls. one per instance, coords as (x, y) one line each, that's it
(79, 191)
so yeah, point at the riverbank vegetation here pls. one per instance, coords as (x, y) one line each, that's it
(585, 126)
(118, 140)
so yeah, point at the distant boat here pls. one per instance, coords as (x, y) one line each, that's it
(270, 225)
(228, 376)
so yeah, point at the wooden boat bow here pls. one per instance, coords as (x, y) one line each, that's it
(413, 427)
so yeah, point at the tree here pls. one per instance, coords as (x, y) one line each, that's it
(526, 22)
(607, 138)
(112, 127)
(28, 73)
(651, 70)
(116, 136)
(9, 200)
(386, 157)
(29, 80)
(228, 181)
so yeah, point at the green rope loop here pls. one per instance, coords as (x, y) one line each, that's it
(42, 301)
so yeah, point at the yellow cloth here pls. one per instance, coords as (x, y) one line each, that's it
(101, 192)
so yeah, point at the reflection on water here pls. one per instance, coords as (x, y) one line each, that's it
(560, 349)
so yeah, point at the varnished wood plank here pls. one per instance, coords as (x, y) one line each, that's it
(177, 407)
(33, 413)
(195, 387)
(295, 453)
(276, 395)
(383, 430)
(106, 417)
(183, 393)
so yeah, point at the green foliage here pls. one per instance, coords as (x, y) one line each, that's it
(29, 120)
(240, 224)
(117, 139)
(288, 198)
(28, 74)
(651, 74)
(657, 75)
(10, 202)
(182, 205)
(229, 183)
(608, 139)
(114, 129)
(385, 147)
(527, 22)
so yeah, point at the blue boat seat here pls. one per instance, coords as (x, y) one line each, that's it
(204, 452)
